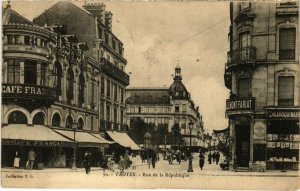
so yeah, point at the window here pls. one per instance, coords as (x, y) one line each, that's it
(243, 87)
(69, 122)
(122, 95)
(70, 78)
(13, 71)
(115, 92)
(30, 72)
(100, 33)
(140, 109)
(287, 41)
(27, 40)
(176, 109)
(38, 119)
(58, 76)
(81, 90)
(122, 116)
(80, 124)
(183, 108)
(43, 74)
(115, 115)
(102, 85)
(106, 38)
(244, 5)
(17, 117)
(102, 110)
(286, 90)
(92, 92)
(113, 44)
(244, 40)
(108, 88)
(107, 113)
(10, 39)
(92, 123)
(56, 120)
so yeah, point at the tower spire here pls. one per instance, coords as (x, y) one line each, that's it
(177, 76)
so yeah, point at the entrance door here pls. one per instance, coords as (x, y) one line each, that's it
(243, 145)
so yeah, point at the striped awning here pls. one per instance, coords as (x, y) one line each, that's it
(123, 139)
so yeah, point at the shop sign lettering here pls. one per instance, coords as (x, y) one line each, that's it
(283, 114)
(241, 104)
(35, 143)
(27, 90)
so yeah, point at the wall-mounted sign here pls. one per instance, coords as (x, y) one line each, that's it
(9, 90)
(281, 114)
(259, 130)
(240, 104)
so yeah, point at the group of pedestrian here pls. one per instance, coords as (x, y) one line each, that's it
(178, 155)
(215, 157)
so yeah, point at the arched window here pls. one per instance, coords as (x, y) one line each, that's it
(81, 90)
(69, 122)
(39, 119)
(58, 76)
(70, 78)
(17, 117)
(80, 124)
(56, 120)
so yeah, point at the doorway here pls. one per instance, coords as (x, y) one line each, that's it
(243, 145)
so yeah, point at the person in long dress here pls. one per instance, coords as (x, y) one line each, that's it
(201, 160)
(17, 160)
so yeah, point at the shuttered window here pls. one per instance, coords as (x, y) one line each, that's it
(286, 91)
(287, 41)
(243, 87)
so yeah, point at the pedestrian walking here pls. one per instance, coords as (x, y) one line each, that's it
(121, 164)
(217, 157)
(126, 159)
(201, 160)
(110, 164)
(209, 158)
(214, 156)
(153, 159)
(87, 162)
(31, 159)
(17, 160)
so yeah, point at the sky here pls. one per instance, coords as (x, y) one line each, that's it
(159, 35)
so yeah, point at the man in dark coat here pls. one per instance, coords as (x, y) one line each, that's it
(201, 160)
(87, 162)
(217, 157)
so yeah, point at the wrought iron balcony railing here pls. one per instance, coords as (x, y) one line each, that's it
(241, 56)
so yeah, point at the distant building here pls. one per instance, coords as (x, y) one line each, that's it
(262, 73)
(166, 107)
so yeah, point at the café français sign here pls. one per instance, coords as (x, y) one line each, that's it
(240, 104)
(10, 90)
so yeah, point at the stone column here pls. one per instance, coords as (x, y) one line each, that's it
(86, 99)
(4, 72)
(38, 72)
(76, 88)
(233, 145)
(22, 72)
(64, 84)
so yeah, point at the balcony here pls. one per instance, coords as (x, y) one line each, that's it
(30, 50)
(235, 106)
(287, 8)
(28, 92)
(241, 56)
(114, 71)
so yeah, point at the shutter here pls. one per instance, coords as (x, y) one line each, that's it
(243, 90)
(287, 38)
(286, 87)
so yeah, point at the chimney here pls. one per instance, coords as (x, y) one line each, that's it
(108, 20)
(97, 9)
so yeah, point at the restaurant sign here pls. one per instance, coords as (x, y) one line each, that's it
(36, 143)
(36, 91)
(240, 104)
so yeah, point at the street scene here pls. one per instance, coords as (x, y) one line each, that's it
(148, 94)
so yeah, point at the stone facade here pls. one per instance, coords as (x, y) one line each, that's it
(263, 48)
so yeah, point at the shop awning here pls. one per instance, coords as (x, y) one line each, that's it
(84, 139)
(36, 135)
(123, 139)
(102, 139)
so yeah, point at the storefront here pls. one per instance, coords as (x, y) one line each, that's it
(50, 147)
(283, 138)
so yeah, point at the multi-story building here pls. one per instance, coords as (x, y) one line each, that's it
(169, 107)
(262, 74)
(93, 25)
(54, 89)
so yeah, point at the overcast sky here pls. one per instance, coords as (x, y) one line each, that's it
(158, 35)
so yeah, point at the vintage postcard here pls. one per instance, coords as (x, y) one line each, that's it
(150, 94)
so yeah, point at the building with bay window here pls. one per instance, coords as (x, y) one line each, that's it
(52, 91)
(169, 108)
(262, 74)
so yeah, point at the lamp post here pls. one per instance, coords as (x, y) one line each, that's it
(74, 127)
(190, 169)
(147, 145)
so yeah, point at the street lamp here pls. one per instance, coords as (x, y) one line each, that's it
(147, 145)
(190, 169)
(74, 127)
